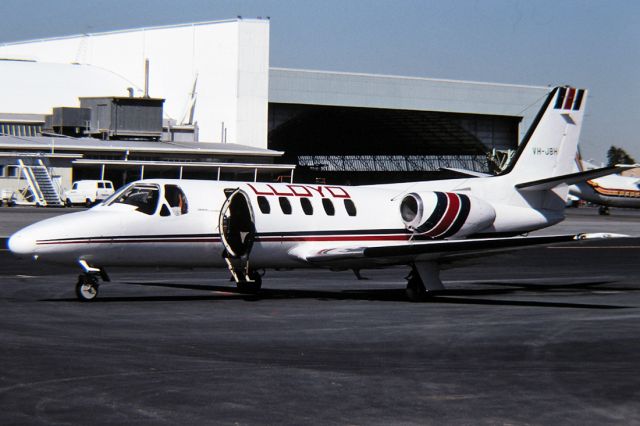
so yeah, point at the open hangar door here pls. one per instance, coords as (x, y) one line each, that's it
(354, 145)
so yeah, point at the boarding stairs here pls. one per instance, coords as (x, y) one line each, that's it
(40, 183)
(239, 268)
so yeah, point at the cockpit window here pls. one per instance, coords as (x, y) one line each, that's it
(176, 200)
(143, 197)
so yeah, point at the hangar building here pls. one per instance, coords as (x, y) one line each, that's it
(216, 77)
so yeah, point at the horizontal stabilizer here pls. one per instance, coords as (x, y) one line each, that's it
(573, 178)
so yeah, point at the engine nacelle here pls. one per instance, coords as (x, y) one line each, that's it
(445, 214)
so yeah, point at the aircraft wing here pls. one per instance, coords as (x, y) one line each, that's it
(442, 251)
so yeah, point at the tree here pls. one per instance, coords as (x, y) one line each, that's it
(617, 155)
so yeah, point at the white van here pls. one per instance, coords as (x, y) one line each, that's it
(87, 192)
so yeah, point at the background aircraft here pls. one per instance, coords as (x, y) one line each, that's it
(607, 191)
(248, 227)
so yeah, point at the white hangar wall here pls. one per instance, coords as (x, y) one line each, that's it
(229, 58)
(35, 87)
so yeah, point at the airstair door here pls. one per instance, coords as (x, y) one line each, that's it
(236, 224)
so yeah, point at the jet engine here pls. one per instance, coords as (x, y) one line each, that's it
(445, 214)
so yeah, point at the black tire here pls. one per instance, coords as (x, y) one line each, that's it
(68, 203)
(87, 288)
(88, 203)
(416, 292)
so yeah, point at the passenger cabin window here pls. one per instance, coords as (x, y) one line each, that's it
(285, 205)
(101, 185)
(108, 185)
(143, 197)
(263, 204)
(175, 200)
(307, 208)
(75, 186)
(350, 207)
(328, 207)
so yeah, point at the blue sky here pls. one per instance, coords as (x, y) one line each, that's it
(593, 44)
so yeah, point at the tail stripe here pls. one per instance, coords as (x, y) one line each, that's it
(578, 103)
(560, 98)
(569, 101)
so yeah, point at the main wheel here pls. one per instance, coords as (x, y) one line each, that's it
(416, 291)
(87, 288)
(251, 287)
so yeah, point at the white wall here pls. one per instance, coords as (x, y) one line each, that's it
(230, 58)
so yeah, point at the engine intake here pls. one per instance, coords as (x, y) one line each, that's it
(445, 214)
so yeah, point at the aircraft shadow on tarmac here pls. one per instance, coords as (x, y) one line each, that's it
(451, 296)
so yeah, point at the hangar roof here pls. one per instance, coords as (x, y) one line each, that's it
(296, 86)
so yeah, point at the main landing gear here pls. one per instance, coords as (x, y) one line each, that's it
(423, 281)
(89, 282)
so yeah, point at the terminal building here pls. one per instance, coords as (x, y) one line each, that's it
(225, 113)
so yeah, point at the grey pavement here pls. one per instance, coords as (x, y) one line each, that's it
(537, 337)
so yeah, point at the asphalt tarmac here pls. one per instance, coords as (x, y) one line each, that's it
(541, 336)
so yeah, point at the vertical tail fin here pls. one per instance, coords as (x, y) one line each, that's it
(550, 145)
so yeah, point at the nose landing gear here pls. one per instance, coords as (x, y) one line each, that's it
(89, 281)
(87, 288)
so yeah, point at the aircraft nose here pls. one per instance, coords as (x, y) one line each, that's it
(22, 243)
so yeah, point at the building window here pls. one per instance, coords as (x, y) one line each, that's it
(307, 208)
(263, 204)
(13, 171)
(328, 207)
(350, 207)
(285, 205)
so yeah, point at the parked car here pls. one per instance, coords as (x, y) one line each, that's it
(88, 192)
(7, 197)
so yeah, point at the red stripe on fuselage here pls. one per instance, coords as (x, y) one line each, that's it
(89, 241)
(277, 239)
(335, 238)
(453, 209)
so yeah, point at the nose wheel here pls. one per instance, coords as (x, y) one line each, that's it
(89, 282)
(87, 288)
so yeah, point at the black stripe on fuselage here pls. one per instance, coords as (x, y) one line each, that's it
(336, 232)
(182, 237)
(441, 206)
(129, 237)
(465, 208)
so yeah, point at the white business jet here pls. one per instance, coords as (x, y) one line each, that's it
(249, 227)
